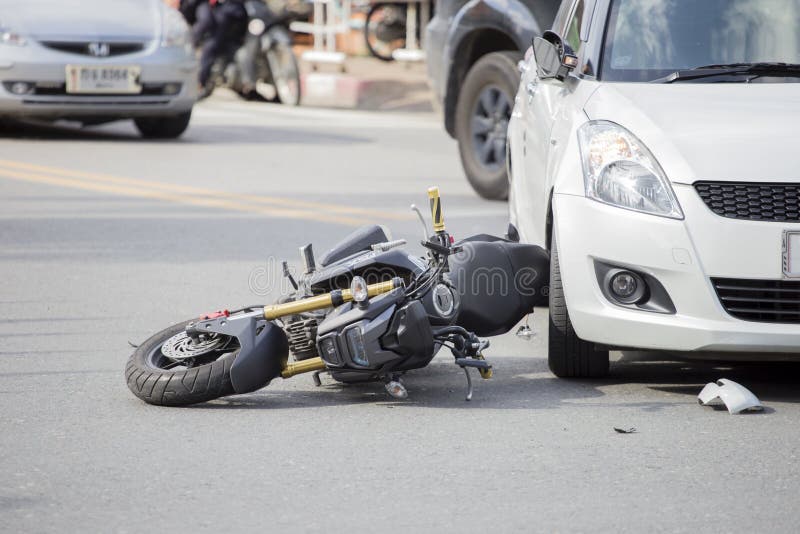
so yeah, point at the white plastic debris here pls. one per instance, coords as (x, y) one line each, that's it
(734, 396)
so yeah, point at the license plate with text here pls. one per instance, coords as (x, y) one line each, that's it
(791, 254)
(108, 79)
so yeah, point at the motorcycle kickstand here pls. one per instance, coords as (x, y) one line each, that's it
(469, 384)
(316, 378)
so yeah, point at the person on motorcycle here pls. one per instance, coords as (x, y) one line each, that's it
(217, 26)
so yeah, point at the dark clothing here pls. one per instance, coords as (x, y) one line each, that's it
(203, 23)
(220, 28)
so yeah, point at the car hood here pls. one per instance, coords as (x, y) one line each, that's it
(83, 20)
(727, 132)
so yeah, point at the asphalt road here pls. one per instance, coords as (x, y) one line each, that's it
(105, 239)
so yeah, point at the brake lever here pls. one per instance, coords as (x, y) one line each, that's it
(441, 249)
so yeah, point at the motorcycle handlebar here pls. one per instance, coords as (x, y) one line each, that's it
(436, 210)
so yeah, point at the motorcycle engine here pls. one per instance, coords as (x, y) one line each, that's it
(302, 334)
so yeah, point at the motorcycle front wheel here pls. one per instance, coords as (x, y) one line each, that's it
(285, 73)
(171, 369)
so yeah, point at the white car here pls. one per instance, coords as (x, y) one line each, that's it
(95, 61)
(653, 150)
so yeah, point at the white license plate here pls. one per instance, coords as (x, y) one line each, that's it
(103, 80)
(791, 254)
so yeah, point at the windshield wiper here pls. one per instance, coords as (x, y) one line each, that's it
(733, 69)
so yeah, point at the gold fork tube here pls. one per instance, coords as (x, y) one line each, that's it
(305, 366)
(328, 300)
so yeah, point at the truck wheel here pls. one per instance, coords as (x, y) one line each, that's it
(170, 127)
(482, 114)
(568, 355)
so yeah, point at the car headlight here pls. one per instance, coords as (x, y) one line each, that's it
(174, 30)
(619, 170)
(10, 37)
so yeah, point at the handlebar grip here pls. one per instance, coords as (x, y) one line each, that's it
(436, 210)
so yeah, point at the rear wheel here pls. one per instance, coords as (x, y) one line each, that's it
(171, 369)
(568, 356)
(385, 30)
(482, 114)
(168, 127)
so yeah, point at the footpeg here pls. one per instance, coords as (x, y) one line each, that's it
(473, 362)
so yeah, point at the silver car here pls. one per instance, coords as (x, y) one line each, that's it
(97, 61)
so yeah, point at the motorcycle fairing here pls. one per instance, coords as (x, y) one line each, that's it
(264, 348)
(735, 396)
(396, 337)
(394, 263)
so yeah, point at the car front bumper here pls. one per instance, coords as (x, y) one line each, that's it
(37, 64)
(683, 255)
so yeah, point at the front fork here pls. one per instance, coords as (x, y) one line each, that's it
(264, 348)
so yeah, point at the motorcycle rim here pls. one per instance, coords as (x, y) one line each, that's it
(385, 30)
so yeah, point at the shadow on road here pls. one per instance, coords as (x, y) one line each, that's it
(205, 134)
(525, 383)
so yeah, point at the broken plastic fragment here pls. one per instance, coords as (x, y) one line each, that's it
(525, 332)
(735, 397)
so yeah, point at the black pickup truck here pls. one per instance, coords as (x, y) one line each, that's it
(472, 49)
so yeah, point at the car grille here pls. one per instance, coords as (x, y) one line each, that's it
(85, 48)
(766, 301)
(752, 201)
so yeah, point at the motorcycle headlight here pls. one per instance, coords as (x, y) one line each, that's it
(355, 342)
(174, 30)
(619, 170)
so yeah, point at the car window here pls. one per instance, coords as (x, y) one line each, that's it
(648, 39)
(573, 35)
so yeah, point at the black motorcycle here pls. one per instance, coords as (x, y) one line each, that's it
(368, 312)
(262, 62)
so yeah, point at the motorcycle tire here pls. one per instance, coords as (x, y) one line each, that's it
(376, 37)
(179, 386)
(285, 74)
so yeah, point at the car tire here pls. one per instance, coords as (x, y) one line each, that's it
(485, 102)
(568, 356)
(168, 127)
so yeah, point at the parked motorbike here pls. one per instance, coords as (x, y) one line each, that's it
(263, 60)
(369, 311)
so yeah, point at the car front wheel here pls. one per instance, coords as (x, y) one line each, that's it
(482, 114)
(167, 127)
(568, 356)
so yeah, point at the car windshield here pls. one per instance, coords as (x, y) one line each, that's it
(648, 39)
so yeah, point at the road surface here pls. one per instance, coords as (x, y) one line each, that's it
(106, 238)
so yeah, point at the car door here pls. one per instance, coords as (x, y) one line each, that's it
(544, 100)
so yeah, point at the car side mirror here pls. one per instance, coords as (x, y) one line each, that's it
(554, 59)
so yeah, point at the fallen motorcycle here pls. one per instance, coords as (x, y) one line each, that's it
(368, 312)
